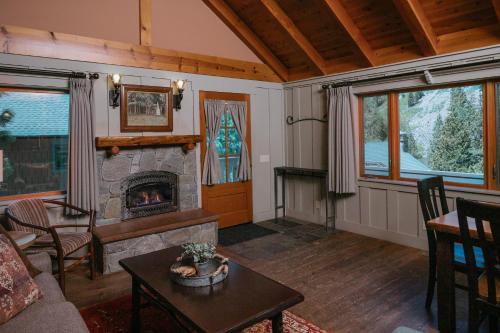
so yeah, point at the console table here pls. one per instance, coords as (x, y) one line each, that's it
(300, 172)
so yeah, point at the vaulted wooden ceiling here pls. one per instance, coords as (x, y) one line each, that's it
(306, 38)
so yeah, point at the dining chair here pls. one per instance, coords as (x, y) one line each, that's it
(432, 197)
(31, 215)
(484, 291)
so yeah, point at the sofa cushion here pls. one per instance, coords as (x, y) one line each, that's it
(43, 318)
(41, 261)
(17, 289)
(52, 293)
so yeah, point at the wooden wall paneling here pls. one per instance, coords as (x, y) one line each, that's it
(407, 204)
(296, 34)
(392, 211)
(350, 208)
(305, 146)
(319, 146)
(233, 21)
(496, 7)
(145, 22)
(32, 42)
(289, 149)
(276, 142)
(364, 203)
(416, 20)
(260, 146)
(378, 209)
(352, 30)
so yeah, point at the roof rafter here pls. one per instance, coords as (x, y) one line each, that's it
(496, 6)
(287, 23)
(145, 22)
(352, 31)
(236, 24)
(420, 27)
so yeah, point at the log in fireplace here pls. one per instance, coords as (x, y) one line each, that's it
(149, 193)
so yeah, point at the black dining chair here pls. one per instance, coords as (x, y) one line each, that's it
(484, 291)
(433, 203)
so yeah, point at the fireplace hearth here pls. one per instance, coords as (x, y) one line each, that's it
(149, 193)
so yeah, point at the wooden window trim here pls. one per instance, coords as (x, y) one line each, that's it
(490, 95)
(36, 194)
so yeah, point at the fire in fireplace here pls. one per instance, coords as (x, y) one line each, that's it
(148, 193)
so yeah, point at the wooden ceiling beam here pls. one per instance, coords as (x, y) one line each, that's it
(352, 30)
(145, 22)
(279, 14)
(236, 24)
(420, 27)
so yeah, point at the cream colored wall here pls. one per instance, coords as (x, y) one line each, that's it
(186, 25)
(266, 110)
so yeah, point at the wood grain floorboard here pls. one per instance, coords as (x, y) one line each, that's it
(351, 283)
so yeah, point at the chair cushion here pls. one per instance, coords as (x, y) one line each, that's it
(31, 211)
(17, 289)
(483, 287)
(460, 255)
(70, 242)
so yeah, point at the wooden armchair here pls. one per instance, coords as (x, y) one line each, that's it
(31, 215)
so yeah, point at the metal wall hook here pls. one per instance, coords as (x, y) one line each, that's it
(290, 121)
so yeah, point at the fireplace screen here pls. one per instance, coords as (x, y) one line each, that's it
(149, 193)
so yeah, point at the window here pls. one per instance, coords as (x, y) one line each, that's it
(33, 137)
(228, 145)
(409, 135)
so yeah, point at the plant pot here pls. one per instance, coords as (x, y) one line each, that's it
(202, 268)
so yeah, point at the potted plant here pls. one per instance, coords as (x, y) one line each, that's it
(198, 255)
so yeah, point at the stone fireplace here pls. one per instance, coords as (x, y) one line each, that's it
(148, 193)
(145, 181)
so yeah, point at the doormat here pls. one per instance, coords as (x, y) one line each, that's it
(242, 233)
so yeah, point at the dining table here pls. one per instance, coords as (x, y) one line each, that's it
(447, 233)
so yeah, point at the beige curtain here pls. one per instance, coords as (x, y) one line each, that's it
(213, 116)
(82, 167)
(341, 147)
(238, 111)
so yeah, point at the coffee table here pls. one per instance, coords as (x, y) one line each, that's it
(243, 299)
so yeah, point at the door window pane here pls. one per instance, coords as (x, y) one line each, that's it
(229, 117)
(34, 138)
(222, 161)
(233, 141)
(234, 162)
(376, 135)
(220, 142)
(441, 133)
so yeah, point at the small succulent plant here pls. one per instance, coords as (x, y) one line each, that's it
(199, 252)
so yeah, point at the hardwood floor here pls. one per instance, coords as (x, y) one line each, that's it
(351, 283)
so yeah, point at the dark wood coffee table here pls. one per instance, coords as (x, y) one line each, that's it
(243, 299)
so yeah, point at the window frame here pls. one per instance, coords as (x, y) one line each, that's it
(490, 96)
(44, 194)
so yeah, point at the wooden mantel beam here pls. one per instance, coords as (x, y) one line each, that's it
(145, 22)
(234, 22)
(296, 34)
(352, 30)
(420, 27)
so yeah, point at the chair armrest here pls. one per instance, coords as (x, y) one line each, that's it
(41, 261)
(59, 226)
(67, 205)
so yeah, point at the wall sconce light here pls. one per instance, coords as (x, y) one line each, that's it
(178, 93)
(114, 93)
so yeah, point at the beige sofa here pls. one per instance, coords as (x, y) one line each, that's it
(52, 313)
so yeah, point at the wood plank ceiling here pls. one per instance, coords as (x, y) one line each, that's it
(306, 38)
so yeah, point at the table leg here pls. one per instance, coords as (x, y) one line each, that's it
(136, 306)
(327, 202)
(278, 323)
(445, 283)
(283, 194)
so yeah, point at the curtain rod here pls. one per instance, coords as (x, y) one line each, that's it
(41, 72)
(341, 83)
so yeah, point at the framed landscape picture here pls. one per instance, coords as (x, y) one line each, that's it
(146, 109)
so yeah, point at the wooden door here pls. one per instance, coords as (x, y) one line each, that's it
(231, 198)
